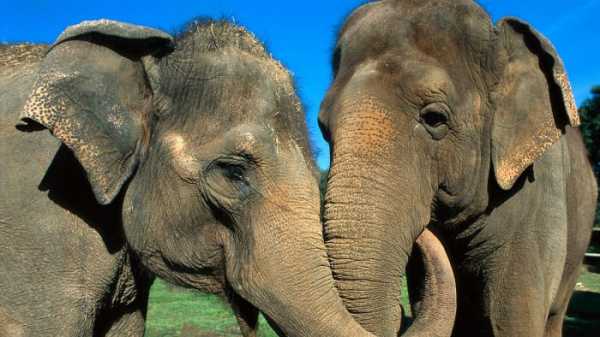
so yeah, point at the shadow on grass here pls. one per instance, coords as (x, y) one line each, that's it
(594, 269)
(175, 312)
(583, 316)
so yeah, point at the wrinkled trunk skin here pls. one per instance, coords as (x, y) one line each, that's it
(374, 210)
(312, 307)
(286, 273)
(299, 292)
(433, 298)
(368, 250)
(304, 298)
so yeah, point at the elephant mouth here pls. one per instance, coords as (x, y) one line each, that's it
(245, 312)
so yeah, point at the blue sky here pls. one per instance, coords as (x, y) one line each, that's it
(301, 33)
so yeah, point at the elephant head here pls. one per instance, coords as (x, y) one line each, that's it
(200, 142)
(431, 107)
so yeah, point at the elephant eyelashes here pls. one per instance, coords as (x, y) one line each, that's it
(434, 118)
(233, 169)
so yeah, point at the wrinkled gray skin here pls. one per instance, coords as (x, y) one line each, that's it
(185, 158)
(438, 118)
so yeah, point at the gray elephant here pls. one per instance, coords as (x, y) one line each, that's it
(438, 118)
(183, 157)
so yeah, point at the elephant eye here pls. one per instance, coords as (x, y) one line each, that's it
(233, 172)
(434, 118)
(227, 181)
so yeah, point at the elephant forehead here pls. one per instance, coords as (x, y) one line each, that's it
(232, 91)
(441, 29)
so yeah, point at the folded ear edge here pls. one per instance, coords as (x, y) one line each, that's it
(118, 30)
(559, 74)
(49, 105)
(509, 162)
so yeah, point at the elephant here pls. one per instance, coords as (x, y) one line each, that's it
(184, 157)
(437, 118)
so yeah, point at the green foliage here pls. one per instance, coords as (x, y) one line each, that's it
(590, 124)
(590, 129)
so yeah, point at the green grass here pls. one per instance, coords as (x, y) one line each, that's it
(589, 281)
(176, 312)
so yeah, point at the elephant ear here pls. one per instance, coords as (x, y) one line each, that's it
(93, 91)
(533, 101)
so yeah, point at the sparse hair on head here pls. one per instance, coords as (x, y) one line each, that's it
(209, 35)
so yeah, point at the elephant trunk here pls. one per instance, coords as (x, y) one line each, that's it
(285, 271)
(369, 245)
(367, 258)
(374, 211)
(435, 305)
(301, 298)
